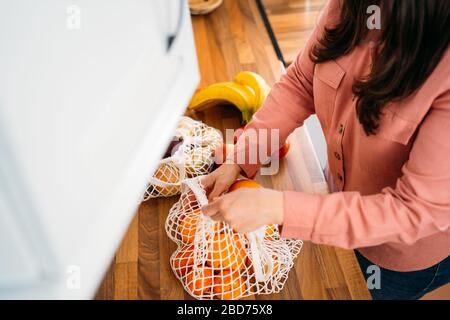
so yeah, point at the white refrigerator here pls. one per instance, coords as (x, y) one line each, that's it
(90, 92)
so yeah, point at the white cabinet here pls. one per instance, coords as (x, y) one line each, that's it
(90, 92)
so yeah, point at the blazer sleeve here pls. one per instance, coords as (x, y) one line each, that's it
(418, 206)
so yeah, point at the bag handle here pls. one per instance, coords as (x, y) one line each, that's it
(195, 186)
(258, 252)
(256, 238)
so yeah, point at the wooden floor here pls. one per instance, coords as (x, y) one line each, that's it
(292, 21)
(229, 40)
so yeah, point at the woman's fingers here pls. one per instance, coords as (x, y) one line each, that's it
(214, 185)
(207, 181)
(246, 210)
(211, 209)
(218, 182)
(220, 187)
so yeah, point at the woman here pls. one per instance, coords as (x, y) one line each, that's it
(383, 100)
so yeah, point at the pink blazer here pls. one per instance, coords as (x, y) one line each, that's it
(393, 202)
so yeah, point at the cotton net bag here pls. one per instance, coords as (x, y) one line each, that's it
(214, 262)
(191, 156)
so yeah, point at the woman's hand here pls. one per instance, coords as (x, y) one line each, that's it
(247, 210)
(218, 181)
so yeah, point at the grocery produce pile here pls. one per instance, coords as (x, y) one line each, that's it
(212, 261)
(190, 153)
(188, 156)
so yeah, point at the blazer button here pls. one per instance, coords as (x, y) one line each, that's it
(340, 177)
(341, 129)
(337, 156)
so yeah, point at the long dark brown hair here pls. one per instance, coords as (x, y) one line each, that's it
(413, 38)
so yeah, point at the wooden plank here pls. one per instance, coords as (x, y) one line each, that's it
(310, 280)
(170, 288)
(128, 249)
(354, 279)
(149, 263)
(125, 281)
(292, 22)
(126, 263)
(442, 293)
(331, 272)
(106, 288)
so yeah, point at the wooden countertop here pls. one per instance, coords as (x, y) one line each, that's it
(229, 40)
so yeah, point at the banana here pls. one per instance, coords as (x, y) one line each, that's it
(247, 92)
(257, 83)
(241, 96)
(249, 95)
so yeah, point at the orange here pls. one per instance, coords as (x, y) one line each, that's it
(218, 227)
(199, 281)
(284, 150)
(227, 252)
(188, 227)
(169, 174)
(228, 285)
(189, 202)
(270, 230)
(244, 183)
(183, 261)
(234, 294)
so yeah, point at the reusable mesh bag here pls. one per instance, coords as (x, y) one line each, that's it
(214, 262)
(191, 157)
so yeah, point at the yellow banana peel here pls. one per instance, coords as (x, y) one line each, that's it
(257, 83)
(247, 92)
